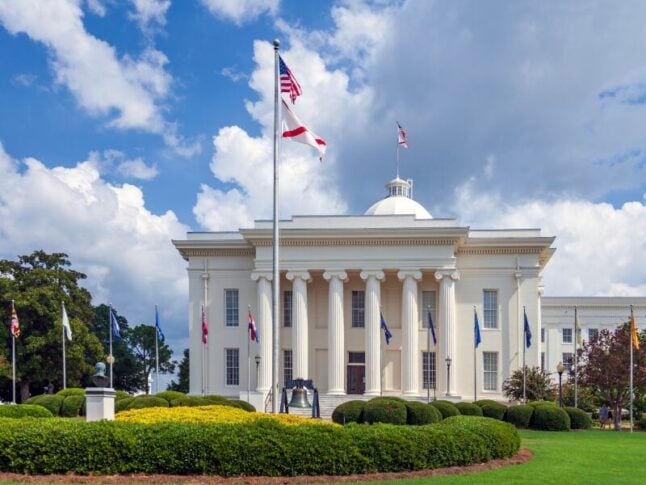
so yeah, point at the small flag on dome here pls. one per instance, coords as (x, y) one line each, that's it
(401, 136)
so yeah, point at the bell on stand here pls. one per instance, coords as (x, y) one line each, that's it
(299, 395)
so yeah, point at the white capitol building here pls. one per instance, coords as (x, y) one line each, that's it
(338, 273)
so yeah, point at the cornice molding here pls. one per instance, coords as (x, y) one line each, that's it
(357, 242)
(482, 250)
(214, 252)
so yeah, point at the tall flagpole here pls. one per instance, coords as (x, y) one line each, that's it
(13, 357)
(576, 358)
(156, 354)
(397, 150)
(632, 367)
(276, 239)
(205, 279)
(524, 366)
(63, 335)
(110, 357)
(248, 361)
(475, 363)
(428, 353)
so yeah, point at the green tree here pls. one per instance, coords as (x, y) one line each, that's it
(141, 340)
(38, 283)
(182, 383)
(537, 383)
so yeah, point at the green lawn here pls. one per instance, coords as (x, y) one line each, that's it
(587, 457)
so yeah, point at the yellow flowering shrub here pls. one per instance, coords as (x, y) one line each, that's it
(209, 414)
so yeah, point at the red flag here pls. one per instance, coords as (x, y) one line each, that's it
(205, 328)
(288, 83)
(299, 132)
(401, 136)
(253, 331)
(15, 325)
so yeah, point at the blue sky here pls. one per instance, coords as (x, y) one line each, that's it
(127, 123)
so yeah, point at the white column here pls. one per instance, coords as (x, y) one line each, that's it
(373, 331)
(300, 342)
(264, 324)
(410, 332)
(447, 322)
(335, 332)
(537, 334)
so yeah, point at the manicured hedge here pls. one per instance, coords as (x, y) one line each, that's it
(520, 416)
(446, 408)
(349, 412)
(262, 448)
(170, 395)
(468, 409)
(23, 411)
(579, 419)
(51, 402)
(550, 418)
(237, 403)
(140, 402)
(541, 403)
(384, 411)
(419, 413)
(483, 402)
(122, 404)
(71, 391)
(122, 395)
(73, 406)
(188, 401)
(494, 410)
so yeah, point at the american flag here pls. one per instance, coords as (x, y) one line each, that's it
(401, 136)
(205, 328)
(288, 83)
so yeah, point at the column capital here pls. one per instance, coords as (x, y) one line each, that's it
(266, 275)
(301, 275)
(378, 274)
(541, 290)
(415, 274)
(335, 273)
(454, 274)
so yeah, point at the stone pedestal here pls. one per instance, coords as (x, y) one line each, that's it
(99, 403)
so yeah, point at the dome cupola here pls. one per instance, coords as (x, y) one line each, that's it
(399, 201)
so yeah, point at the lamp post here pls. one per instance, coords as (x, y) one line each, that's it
(448, 375)
(257, 359)
(560, 368)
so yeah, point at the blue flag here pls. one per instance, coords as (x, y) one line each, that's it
(114, 325)
(476, 328)
(528, 332)
(384, 327)
(432, 327)
(160, 334)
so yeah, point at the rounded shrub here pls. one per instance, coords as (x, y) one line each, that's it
(541, 403)
(214, 399)
(494, 410)
(140, 402)
(388, 398)
(122, 404)
(419, 413)
(71, 391)
(237, 403)
(579, 419)
(190, 401)
(170, 395)
(51, 402)
(384, 411)
(446, 408)
(483, 402)
(468, 409)
(641, 424)
(437, 415)
(349, 412)
(520, 416)
(122, 395)
(502, 439)
(73, 406)
(550, 418)
(24, 411)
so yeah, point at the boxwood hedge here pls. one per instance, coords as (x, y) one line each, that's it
(140, 402)
(51, 402)
(494, 410)
(418, 413)
(468, 409)
(541, 403)
(446, 408)
(349, 412)
(71, 391)
(23, 411)
(170, 395)
(108, 447)
(579, 419)
(520, 416)
(122, 404)
(73, 406)
(550, 418)
(384, 411)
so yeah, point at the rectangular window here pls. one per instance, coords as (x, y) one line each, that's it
(542, 360)
(428, 304)
(568, 361)
(490, 306)
(287, 366)
(232, 367)
(567, 335)
(542, 335)
(428, 370)
(358, 309)
(592, 334)
(231, 312)
(356, 357)
(287, 308)
(490, 366)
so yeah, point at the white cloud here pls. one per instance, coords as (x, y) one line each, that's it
(150, 14)
(601, 250)
(130, 91)
(107, 231)
(241, 11)
(138, 169)
(96, 7)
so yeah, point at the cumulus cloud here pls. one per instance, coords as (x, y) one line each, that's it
(150, 14)
(138, 169)
(241, 11)
(129, 91)
(106, 229)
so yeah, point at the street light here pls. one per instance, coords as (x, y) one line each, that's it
(560, 368)
(448, 375)
(257, 359)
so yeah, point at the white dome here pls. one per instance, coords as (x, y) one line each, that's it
(398, 205)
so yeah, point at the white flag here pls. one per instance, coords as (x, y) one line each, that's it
(297, 131)
(66, 324)
(577, 329)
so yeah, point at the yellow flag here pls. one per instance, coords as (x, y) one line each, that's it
(633, 330)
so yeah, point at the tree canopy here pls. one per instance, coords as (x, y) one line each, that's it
(182, 383)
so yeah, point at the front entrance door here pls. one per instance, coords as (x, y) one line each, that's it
(356, 379)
